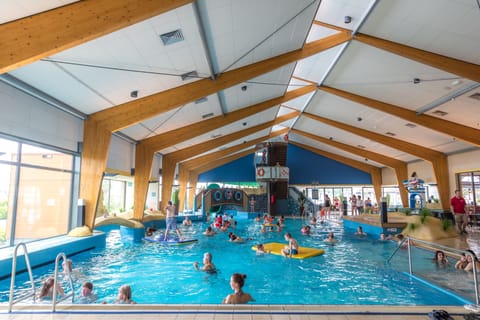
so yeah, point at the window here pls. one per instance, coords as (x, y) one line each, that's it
(35, 191)
(469, 184)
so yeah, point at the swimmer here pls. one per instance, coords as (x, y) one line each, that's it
(46, 290)
(261, 249)
(292, 247)
(87, 295)
(234, 238)
(313, 221)
(210, 232)
(306, 229)
(237, 281)
(360, 231)
(440, 258)
(330, 238)
(124, 295)
(208, 265)
(187, 222)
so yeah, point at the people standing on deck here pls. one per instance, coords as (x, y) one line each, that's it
(353, 201)
(360, 205)
(458, 206)
(327, 206)
(171, 221)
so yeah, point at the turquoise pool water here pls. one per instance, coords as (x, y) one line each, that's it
(353, 271)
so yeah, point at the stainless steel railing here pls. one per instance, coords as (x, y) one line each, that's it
(11, 300)
(408, 241)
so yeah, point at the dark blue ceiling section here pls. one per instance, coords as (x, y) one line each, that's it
(305, 166)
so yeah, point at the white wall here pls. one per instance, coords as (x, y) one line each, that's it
(389, 178)
(121, 155)
(424, 170)
(26, 117)
(467, 161)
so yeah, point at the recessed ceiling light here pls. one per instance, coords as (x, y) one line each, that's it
(475, 96)
(416, 80)
(411, 125)
(189, 75)
(207, 115)
(456, 82)
(390, 134)
(360, 146)
(134, 93)
(440, 113)
(201, 100)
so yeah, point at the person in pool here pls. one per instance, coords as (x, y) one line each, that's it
(292, 247)
(210, 232)
(124, 295)
(261, 249)
(208, 265)
(330, 238)
(46, 290)
(237, 281)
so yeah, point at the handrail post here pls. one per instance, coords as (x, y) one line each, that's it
(409, 247)
(475, 279)
(14, 272)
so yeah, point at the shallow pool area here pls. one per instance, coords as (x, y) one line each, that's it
(350, 272)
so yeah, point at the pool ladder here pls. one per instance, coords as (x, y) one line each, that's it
(409, 242)
(12, 301)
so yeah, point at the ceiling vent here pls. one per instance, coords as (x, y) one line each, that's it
(360, 146)
(440, 113)
(390, 134)
(475, 96)
(172, 37)
(189, 75)
(201, 100)
(216, 135)
(207, 115)
(411, 125)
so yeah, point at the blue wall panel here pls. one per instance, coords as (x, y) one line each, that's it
(305, 167)
(240, 170)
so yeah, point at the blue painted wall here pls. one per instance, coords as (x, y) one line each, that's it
(305, 167)
(240, 170)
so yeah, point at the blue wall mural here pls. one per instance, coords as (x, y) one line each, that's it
(305, 167)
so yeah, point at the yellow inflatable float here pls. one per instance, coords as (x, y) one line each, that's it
(303, 252)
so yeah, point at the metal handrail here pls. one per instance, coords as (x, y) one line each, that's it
(62, 256)
(444, 248)
(12, 301)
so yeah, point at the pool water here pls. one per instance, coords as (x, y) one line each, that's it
(350, 272)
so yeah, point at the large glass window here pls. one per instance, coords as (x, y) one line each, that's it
(35, 191)
(469, 184)
(43, 204)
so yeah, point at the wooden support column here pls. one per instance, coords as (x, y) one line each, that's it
(402, 174)
(376, 174)
(192, 180)
(182, 185)
(168, 174)
(143, 169)
(96, 143)
(440, 168)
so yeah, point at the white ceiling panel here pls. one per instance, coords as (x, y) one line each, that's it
(446, 27)
(387, 77)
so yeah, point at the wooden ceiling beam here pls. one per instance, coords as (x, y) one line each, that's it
(400, 167)
(449, 128)
(202, 160)
(167, 139)
(461, 68)
(32, 38)
(200, 148)
(133, 112)
(414, 149)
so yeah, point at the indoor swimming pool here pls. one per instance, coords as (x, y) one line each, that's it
(352, 271)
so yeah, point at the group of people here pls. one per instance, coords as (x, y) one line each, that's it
(50, 287)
